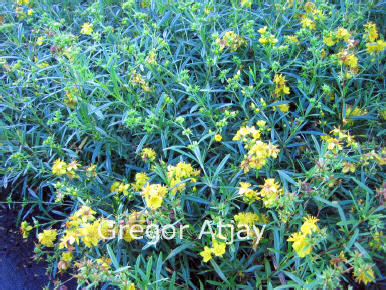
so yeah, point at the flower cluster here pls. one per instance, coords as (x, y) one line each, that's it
(154, 195)
(120, 187)
(269, 193)
(47, 237)
(192, 111)
(248, 219)
(336, 139)
(230, 39)
(258, 151)
(60, 168)
(267, 38)
(177, 174)
(302, 240)
(218, 249)
(373, 44)
(148, 154)
(281, 88)
(139, 80)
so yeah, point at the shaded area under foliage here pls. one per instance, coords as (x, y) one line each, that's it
(18, 270)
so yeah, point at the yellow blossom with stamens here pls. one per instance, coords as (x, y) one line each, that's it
(217, 138)
(309, 225)
(364, 274)
(87, 28)
(148, 154)
(59, 168)
(348, 167)
(307, 23)
(371, 31)
(140, 180)
(206, 254)
(47, 237)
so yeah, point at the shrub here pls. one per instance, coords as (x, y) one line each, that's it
(116, 115)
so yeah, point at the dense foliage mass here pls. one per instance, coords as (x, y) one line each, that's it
(258, 113)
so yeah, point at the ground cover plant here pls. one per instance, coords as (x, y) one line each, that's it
(267, 114)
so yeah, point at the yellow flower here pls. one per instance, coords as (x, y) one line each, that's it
(151, 58)
(270, 192)
(307, 23)
(261, 124)
(135, 218)
(84, 214)
(248, 219)
(42, 65)
(371, 30)
(348, 167)
(71, 168)
(258, 151)
(137, 79)
(248, 194)
(268, 39)
(300, 244)
(148, 154)
(351, 60)
(104, 262)
(59, 168)
(334, 145)
(272, 150)
(231, 40)
(309, 226)
(329, 40)
(342, 33)
(69, 238)
(217, 138)
(246, 132)
(86, 28)
(378, 46)
(120, 187)
(114, 186)
(47, 237)
(154, 201)
(23, 2)
(124, 188)
(206, 254)
(364, 274)
(262, 30)
(25, 228)
(281, 88)
(178, 173)
(283, 107)
(309, 7)
(67, 256)
(246, 3)
(293, 39)
(350, 112)
(91, 170)
(140, 180)
(90, 235)
(218, 248)
(71, 97)
(153, 195)
(107, 228)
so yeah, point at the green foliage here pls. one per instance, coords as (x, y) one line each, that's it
(88, 88)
